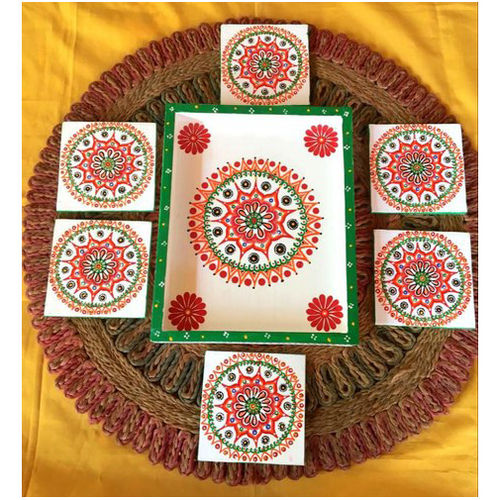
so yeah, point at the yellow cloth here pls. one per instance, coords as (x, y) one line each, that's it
(65, 47)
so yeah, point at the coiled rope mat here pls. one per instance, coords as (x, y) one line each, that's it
(360, 400)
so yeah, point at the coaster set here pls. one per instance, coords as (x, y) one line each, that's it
(256, 235)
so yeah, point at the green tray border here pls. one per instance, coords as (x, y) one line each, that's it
(247, 337)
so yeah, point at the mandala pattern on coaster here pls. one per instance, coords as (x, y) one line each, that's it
(107, 165)
(416, 168)
(321, 140)
(265, 65)
(422, 279)
(254, 222)
(98, 267)
(253, 407)
(193, 138)
(324, 313)
(187, 311)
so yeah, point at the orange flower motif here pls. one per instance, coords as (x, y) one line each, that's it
(187, 311)
(324, 313)
(321, 140)
(193, 138)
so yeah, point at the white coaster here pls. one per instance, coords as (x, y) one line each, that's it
(264, 64)
(253, 408)
(98, 268)
(423, 278)
(417, 169)
(107, 166)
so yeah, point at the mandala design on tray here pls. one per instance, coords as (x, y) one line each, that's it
(98, 267)
(187, 311)
(107, 166)
(264, 65)
(253, 407)
(324, 313)
(321, 140)
(254, 222)
(416, 168)
(193, 138)
(422, 279)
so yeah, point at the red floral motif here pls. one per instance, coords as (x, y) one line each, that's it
(321, 140)
(193, 138)
(187, 311)
(324, 313)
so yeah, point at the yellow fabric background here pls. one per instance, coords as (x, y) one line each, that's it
(65, 47)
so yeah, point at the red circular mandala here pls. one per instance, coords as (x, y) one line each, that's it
(264, 65)
(253, 407)
(107, 165)
(98, 267)
(422, 279)
(254, 222)
(416, 168)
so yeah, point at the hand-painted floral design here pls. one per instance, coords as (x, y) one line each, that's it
(324, 313)
(107, 165)
(98, 267)
(252, 407)
(422, 278)
(416, 168)
(193, 138)
(187, 312)
(254, 222)
(264, 65)
(321, 140)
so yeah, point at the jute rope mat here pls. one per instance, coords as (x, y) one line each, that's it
(361, 400)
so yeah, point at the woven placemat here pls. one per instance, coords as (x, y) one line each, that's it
(360, 400)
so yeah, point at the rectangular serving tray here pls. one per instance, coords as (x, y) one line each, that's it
(235, 264)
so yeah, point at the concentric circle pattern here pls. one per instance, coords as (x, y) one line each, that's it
(254, 408)
(98, 267)
(423, 279)
(107, 166)
(265, 65)
(254, 222)
(417, 168)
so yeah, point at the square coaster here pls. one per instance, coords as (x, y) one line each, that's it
(257, 235)
(417, 169)
(253, 408)
(107, 166)
(423, 278)
(98, 268)
(264, 64)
